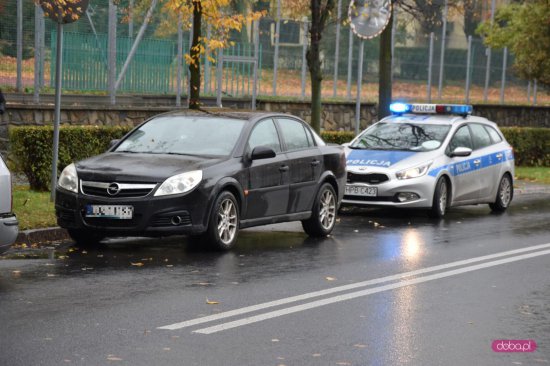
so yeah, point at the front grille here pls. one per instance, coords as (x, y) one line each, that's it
(166, 219)
(369, 199)
(370, 178)
(106, 223)
(116, 190)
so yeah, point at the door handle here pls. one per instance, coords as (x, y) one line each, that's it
(283, 168)
(477, 161)
(315, 163)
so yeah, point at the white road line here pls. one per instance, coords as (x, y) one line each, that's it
(370, 291)
(306, 296)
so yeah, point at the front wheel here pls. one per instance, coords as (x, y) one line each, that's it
(440, 199)
(323, 214)
(504, 195)
(223, 227)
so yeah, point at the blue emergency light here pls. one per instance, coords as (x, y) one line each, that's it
(418, 108)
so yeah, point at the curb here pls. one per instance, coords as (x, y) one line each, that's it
(40, 236)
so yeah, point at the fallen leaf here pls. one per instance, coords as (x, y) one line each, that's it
(330, 278)
(342, 363)
(113, 358)
(274, 340)
(204, 284)
(138, 264)
(360, 345)
(166, 349)
(211, 302)
(316, 355)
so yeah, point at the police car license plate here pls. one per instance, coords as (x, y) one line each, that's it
(110, 211)
(361, 191)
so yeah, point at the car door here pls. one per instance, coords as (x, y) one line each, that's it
(487, 160)
(305, 160)
(465, 183)
(268, 179)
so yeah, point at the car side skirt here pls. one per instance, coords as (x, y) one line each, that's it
(275, 219)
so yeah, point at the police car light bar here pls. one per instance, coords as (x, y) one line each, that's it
(455, 109)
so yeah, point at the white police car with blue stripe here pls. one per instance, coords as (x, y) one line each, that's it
(432, 156)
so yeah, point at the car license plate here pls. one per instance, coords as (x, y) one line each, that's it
(110, 211)
(361, 191)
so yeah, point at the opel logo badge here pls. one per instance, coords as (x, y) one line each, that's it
(113, 189)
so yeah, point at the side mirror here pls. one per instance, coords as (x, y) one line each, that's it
(461, 151)
(113, 143)
(262, 152)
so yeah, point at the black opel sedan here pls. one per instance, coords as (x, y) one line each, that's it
(205, 175)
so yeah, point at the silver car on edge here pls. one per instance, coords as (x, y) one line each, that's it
(8, 221)
(430, 156)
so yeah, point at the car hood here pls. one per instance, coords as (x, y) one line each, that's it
(386, 159)
(135, 167)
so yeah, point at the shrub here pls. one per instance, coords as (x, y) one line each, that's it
(31, 148)
(337, 137)
(531, 145)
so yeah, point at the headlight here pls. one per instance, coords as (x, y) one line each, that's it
(180, 183)
(413, 172)
(69, 179)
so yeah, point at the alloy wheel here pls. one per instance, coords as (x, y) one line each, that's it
(227, 221)
(327, 209)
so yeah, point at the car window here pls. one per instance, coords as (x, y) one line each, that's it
(480, 136)
(494, 134)
(184, 135)
(462, 138)
(402, 136)
(264, 134)
(294, 134)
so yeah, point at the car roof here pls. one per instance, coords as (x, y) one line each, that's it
(244, 115)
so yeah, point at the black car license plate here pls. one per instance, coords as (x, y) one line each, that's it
(110, 211)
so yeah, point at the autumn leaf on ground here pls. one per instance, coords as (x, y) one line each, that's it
(138, 264)
(209, 302)
(360, 345)
(330, 278)
(113, 358)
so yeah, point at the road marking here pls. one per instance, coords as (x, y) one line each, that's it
(352, 286)
(370, 291)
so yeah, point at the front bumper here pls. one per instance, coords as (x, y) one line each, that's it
(152, 216)
(9, 228)
(388, 192)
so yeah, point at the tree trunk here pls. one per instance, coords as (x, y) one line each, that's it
(194, 53)
(319, 18)
(385, 72)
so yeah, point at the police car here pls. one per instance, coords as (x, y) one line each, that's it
(430, 156)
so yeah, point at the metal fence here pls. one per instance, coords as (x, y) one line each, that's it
(426, 67)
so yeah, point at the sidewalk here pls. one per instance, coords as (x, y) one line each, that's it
(41, 236)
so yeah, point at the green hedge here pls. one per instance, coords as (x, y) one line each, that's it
(31, 147)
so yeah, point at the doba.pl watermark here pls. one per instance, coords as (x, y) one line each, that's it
(514, 345)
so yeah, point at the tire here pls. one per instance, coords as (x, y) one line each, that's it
(223, 226)
(505, 194)
(441, 199)
(323, 213)
(85, 237)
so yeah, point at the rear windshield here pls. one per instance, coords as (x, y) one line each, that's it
(183, 135)
(402, 136)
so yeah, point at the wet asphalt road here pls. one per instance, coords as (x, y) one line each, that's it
(105, 306)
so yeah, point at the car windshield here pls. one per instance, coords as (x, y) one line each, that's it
(184, 135)
(402, 136)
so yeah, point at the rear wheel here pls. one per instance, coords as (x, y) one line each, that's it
(223, 227)
(86, 237)
(504, 195)
(323, 216)
(441, 199)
